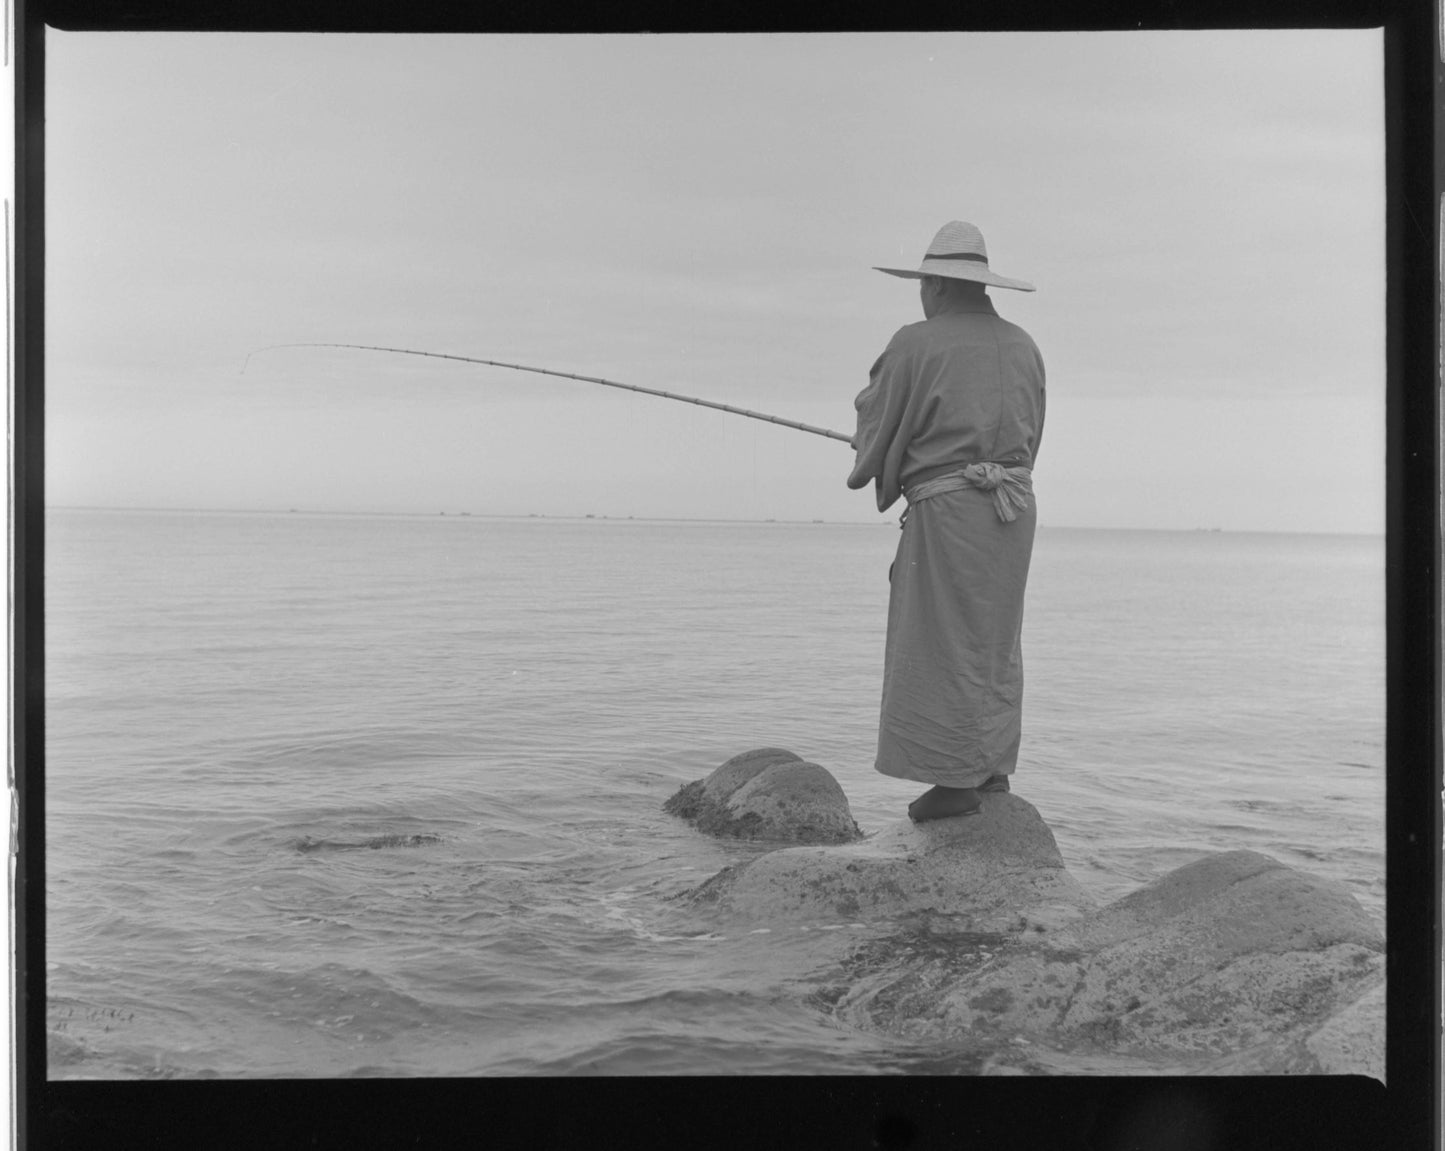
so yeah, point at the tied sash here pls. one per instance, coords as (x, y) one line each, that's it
(1012, 488)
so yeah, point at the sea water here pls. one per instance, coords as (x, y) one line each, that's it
(339, 795)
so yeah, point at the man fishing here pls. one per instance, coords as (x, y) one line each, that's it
(951, 420)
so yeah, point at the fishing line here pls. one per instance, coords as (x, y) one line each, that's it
(572, 376)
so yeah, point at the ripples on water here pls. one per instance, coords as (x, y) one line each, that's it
(354, 796)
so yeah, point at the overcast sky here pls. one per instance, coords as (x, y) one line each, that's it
(1203, 214)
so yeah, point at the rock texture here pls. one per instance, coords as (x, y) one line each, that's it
(1350, 1042)
(768, 794)
(1233, 961)
(999, 870)
(979, 938)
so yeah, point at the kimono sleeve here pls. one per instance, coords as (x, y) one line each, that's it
(883, 427)
(1043, 409)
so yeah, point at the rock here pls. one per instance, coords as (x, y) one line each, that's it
(800, 802)
(768, 794)
(1234, 964)
(989, 872)
(1228, 952)
(979, 940)
(1350, 1042)
(742, 769)
(692, 800)
(1233, 903)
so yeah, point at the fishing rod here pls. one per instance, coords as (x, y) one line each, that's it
(573, 376)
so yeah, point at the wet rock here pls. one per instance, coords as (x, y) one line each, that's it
(978, 938)
(994, 871)
(1234, 964)
(720, 786)
(1225, 953)
(692, 801)
(768, 794)
(307, 844)
(1233, 903)
(1350, 1042)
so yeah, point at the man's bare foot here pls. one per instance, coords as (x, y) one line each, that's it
(941, 802)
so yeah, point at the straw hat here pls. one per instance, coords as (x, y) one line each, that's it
(958, 252)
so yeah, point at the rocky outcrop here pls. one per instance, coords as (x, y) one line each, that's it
(768, 794)
(1230, 962)
(1000, 870)
(980, 939)
(1349, 1042)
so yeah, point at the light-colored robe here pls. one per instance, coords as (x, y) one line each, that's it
(962, 387)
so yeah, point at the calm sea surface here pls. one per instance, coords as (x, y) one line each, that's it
(239, 704)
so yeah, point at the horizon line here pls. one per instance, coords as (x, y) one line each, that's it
(886, 520)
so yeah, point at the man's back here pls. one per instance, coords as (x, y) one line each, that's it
(961, 387)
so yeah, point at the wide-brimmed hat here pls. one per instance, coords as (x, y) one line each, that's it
(958, 253)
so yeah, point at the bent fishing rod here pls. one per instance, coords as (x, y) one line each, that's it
(573, 376)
